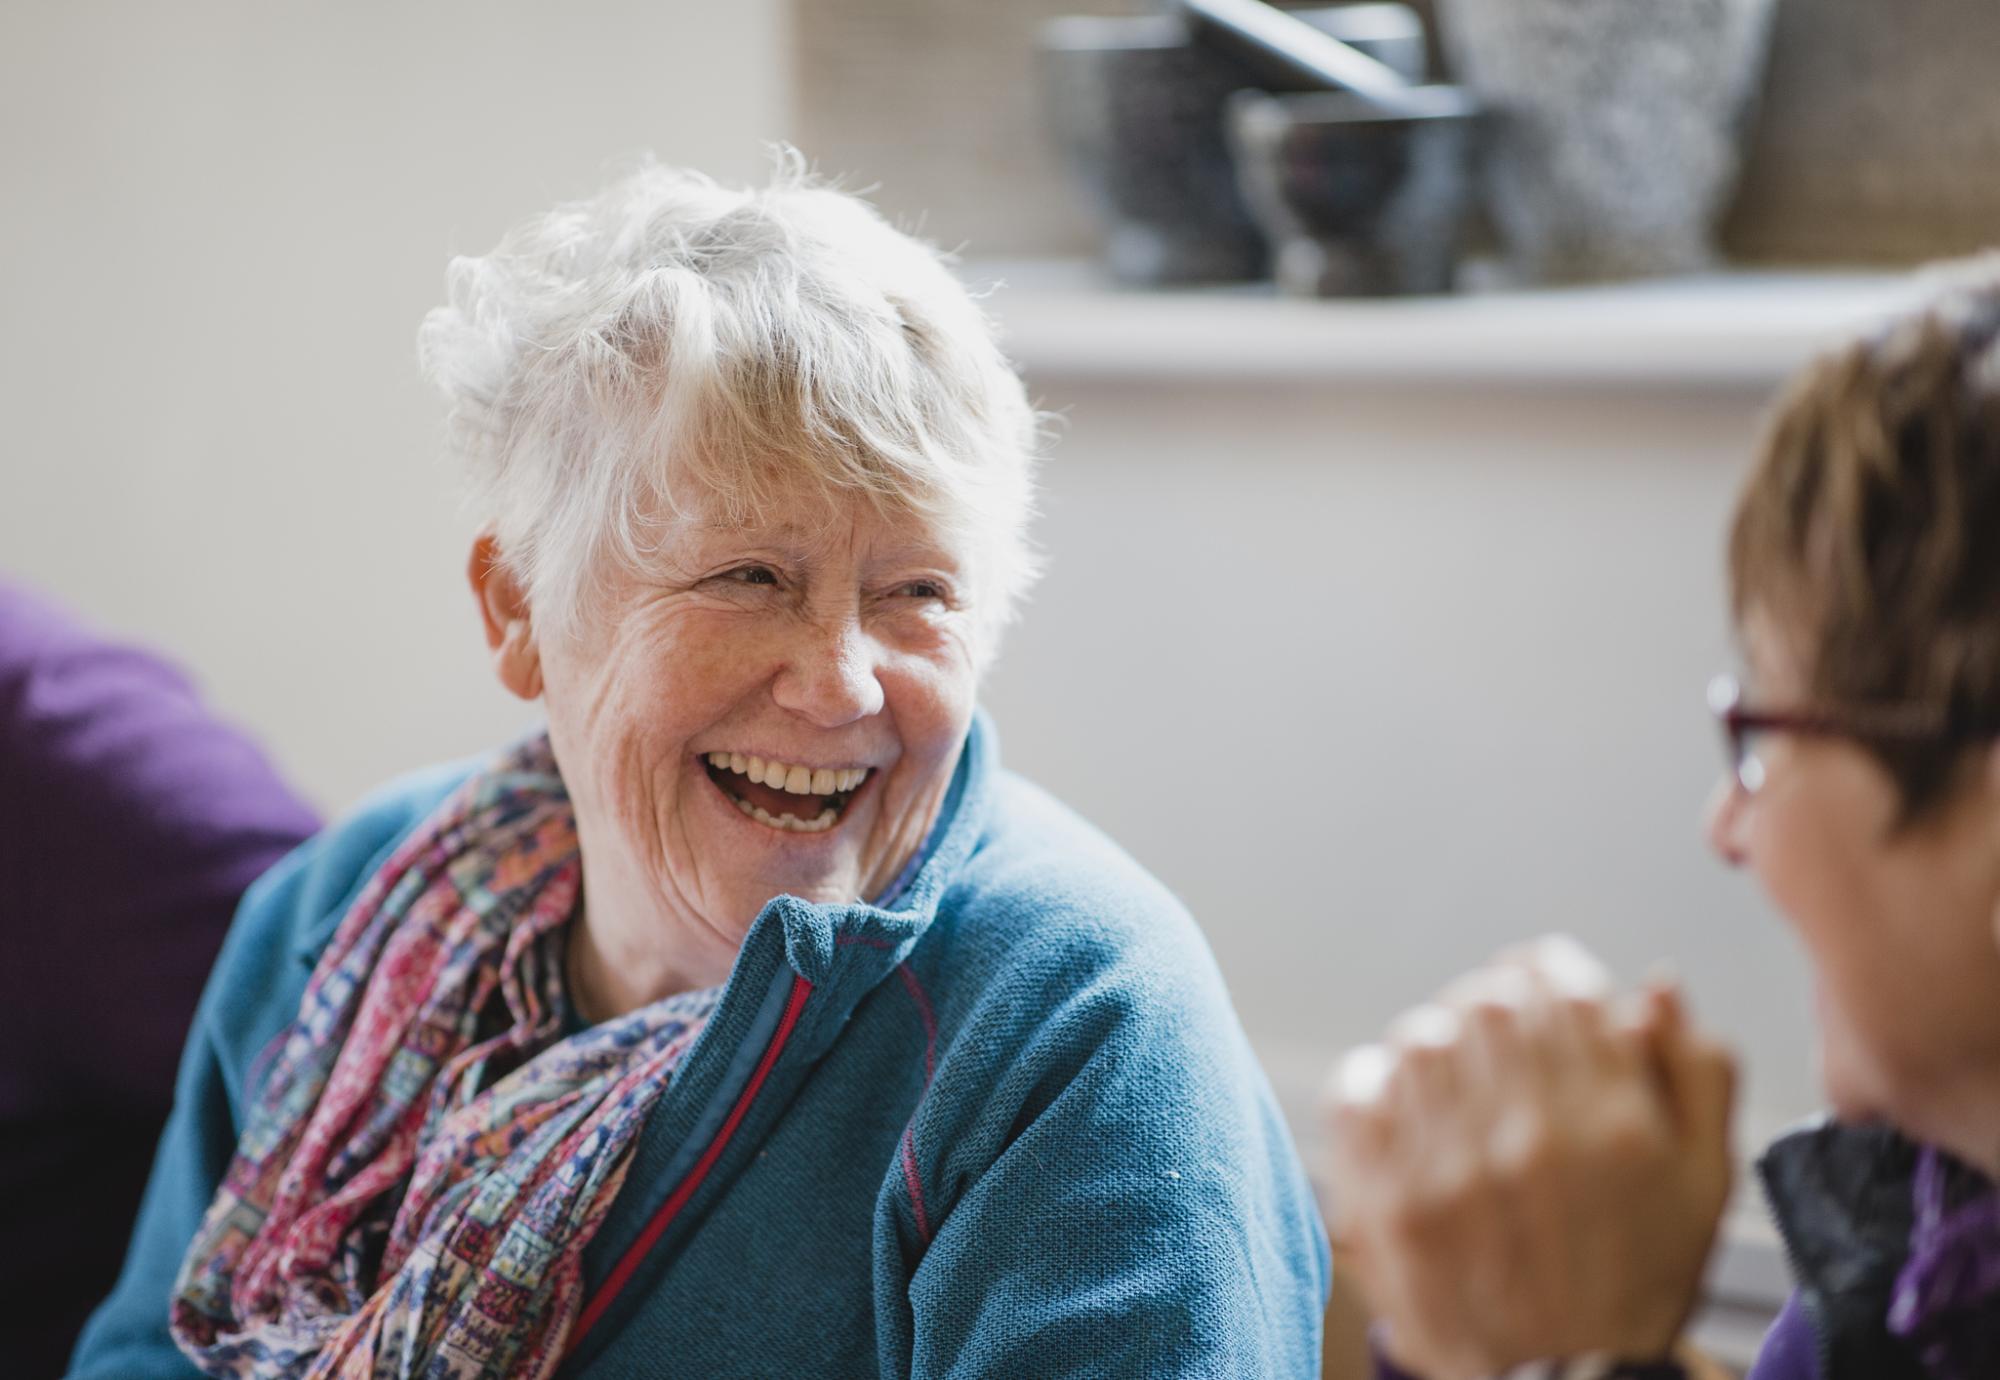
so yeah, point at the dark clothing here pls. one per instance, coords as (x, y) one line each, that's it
(1896, 1252)
(1841, 1197)
(130, 823)
(1791, 1349)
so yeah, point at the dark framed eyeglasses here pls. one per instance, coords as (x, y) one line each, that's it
(1744, 726)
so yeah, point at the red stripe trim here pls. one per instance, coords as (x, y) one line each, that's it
(923, 1003)
(911, 1181)
(608, 1291)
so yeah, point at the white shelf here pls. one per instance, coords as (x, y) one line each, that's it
(1062, 324)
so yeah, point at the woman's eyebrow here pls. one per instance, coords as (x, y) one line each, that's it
(787, 538)
(782, 529)
(804, 541)
(933, 556)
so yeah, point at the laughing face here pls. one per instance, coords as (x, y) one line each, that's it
(765, 710)
(1900, 923)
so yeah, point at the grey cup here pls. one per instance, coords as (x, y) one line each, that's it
(1357, 202)
(1135, 103)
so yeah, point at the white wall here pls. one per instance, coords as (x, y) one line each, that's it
(1378, 680)
(224, 219)
(1382, 679)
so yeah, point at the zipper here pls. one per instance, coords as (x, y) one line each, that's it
(621, 1273)
(1811, 1301)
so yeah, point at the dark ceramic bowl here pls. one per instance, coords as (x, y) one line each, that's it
(1135, 104)
(1357, 203)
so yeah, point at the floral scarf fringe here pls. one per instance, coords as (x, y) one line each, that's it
(427, 1156)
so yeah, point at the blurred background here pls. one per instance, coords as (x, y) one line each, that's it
(1380, 601)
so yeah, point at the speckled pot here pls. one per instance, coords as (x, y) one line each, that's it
(1616, 126)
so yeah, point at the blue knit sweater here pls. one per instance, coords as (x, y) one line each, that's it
(1007, 1126)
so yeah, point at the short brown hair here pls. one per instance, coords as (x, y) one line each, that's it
(1869, 529)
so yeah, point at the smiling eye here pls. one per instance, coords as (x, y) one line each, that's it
(753, 575)
(925, 589)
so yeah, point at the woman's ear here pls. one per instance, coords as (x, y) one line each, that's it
(503, 607)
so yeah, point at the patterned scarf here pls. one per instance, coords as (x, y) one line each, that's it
(427, 1156)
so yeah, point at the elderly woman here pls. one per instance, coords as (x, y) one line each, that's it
(750, 1020)
(1533, 1168)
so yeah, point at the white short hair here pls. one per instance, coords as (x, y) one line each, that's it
(669, 329)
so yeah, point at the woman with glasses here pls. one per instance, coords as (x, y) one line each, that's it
(1529, 1172)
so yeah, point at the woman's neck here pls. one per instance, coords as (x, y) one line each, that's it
(622, 954)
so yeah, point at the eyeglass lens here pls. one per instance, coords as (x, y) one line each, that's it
(1749, 766)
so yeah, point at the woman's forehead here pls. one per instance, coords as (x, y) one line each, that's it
(823, 529)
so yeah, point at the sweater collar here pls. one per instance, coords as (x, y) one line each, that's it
(844, 950)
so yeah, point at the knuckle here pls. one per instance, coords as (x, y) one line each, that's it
(1415, 1070)
(1357, 1077)
(1424, 1059)
(1491, 1014)
(1353, 1124)
(1584, 1010)
(1430, 1026)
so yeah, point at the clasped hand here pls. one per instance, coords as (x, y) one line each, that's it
(1531, 1167)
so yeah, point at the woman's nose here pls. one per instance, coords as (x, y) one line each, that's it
(1725, 820)
(830, 677)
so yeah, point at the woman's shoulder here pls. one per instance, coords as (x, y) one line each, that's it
(1043, 854)
(1047, 894)
(1075, 1006)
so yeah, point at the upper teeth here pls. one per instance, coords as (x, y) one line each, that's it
(786, 777)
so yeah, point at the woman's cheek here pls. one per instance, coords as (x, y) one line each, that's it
(1788, 856)
(930, 682)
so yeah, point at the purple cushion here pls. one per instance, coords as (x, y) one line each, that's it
(131, 820)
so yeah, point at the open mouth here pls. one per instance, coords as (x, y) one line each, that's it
(804, 800)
